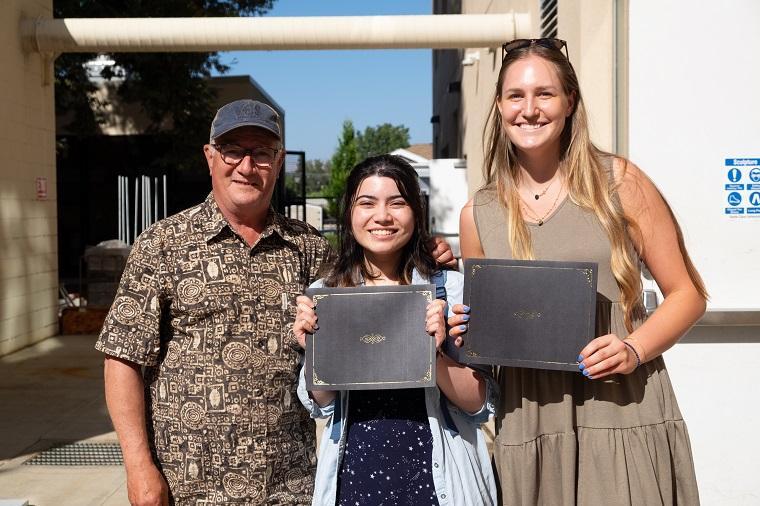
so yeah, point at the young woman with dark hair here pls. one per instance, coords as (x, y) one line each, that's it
(409, 446)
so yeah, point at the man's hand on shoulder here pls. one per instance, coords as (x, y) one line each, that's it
(441, 251)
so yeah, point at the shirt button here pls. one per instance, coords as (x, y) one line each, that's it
(443, 496)
(435, 465)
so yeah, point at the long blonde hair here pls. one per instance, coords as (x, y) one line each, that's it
(589, 184)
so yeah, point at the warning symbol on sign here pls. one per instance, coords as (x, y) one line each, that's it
(754, 198)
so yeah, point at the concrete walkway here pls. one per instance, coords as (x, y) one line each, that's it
(52, 393)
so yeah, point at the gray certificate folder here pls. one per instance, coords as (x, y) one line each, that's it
(369, 338)
(525, 313)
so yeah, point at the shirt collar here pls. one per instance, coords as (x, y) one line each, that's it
(214, 222)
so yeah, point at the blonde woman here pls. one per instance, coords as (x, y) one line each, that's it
(612, 435)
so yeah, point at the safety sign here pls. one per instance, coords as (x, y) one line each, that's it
(741, 187)
(754, 202)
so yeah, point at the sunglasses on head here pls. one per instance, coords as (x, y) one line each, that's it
(516, 44)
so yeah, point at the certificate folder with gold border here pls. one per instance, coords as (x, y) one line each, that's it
(525, 313)
(370, 338)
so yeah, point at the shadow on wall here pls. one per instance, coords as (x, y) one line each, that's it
(51, 392)
(23, 291)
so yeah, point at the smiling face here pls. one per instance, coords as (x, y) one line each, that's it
(381, 220)
(533, 105)
(243, 189)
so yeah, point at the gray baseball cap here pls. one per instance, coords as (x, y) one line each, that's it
(245, 112)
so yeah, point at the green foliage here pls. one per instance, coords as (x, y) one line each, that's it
(317, 177)
(381, 139)
(332, 239)
(343, 160)
(171, 88)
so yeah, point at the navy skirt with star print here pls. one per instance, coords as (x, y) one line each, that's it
(389, 447)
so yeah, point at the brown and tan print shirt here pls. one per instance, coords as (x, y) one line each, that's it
(210, 318)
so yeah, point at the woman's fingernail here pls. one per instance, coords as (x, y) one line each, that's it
(463, 327)
(466, 317)
(466, 309)
(580, 358)
(581, 367)
(585, 372)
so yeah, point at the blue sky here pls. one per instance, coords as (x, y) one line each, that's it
(321, 89)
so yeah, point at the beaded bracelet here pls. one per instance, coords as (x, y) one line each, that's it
(638, 358)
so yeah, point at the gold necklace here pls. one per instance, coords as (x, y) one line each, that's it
(540, 221)
(537, 196)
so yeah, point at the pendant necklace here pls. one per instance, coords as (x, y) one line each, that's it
(537, 196)
(529, 212)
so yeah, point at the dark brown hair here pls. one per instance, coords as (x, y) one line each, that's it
(350, 268)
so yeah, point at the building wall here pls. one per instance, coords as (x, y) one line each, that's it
(675, 96)
(28, 235)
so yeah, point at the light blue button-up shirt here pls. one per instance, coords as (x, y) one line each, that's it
(460, 465)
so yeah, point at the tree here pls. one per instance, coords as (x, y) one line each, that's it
(317, 177)
(343, 160)
(381, 139)
(171, 88)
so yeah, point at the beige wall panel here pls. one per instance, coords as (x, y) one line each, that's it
(45, 324)
(35, 263)
(28, 284)
(588, 26)
(19, 306)
(28, 230)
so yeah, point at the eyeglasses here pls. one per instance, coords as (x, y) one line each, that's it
(233, 154)
(516, 44)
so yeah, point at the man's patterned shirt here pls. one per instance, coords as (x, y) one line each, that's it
(211, 319)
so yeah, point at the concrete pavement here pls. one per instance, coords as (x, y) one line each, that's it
(52, 394)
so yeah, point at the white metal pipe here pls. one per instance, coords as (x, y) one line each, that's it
(148, 201)
(124, 200)
(155, 199)
(118, 205)
(137, 190)
(165, 196)
(271, 33)
(126, 209)
(142, 196)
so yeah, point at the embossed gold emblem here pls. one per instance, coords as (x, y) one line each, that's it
(372, 338)
(527, 315)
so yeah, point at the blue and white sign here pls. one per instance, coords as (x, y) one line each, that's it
(742, 190)
(742, 162)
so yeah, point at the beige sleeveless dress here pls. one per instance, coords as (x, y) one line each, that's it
(563, 439)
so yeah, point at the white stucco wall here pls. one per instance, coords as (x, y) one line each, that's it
(693, 102)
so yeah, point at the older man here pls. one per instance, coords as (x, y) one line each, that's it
(205, 306)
